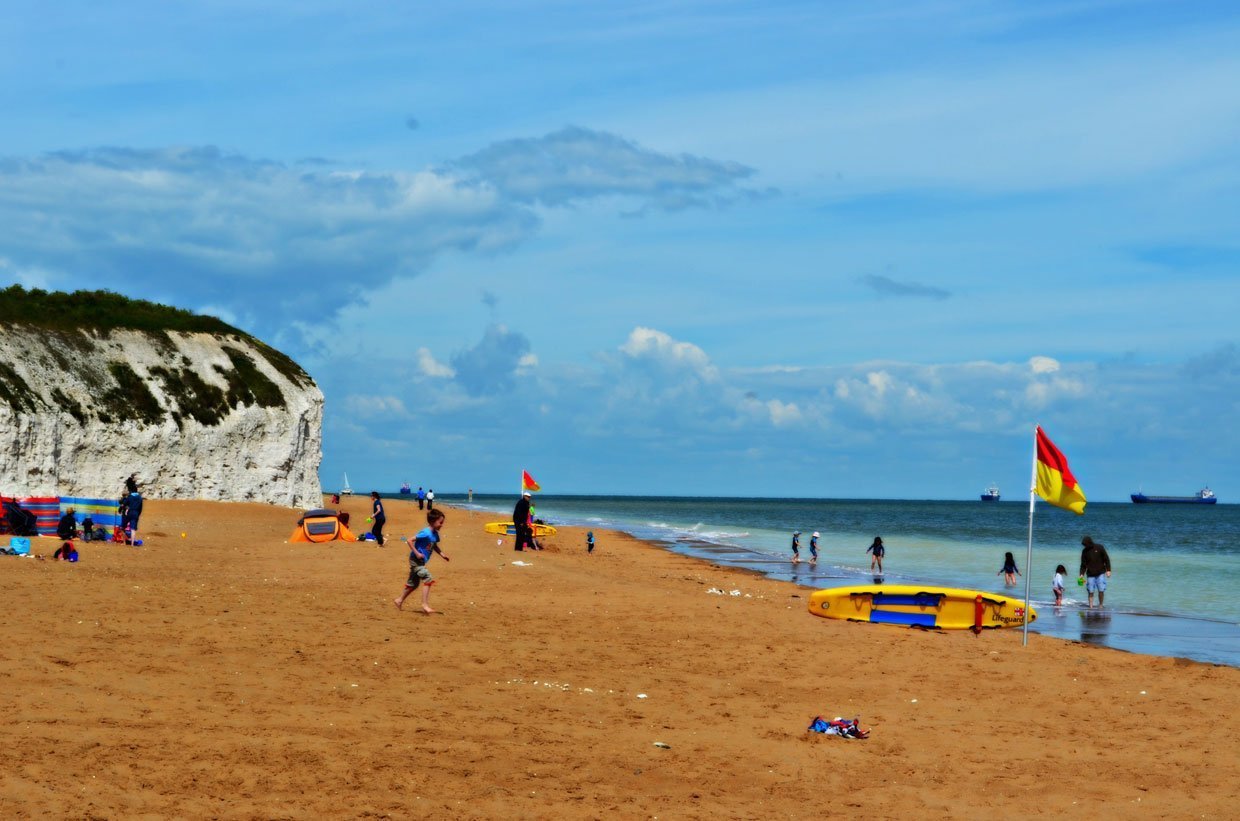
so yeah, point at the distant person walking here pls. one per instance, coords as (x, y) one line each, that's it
(1009, 571)
(521, 522)
(1096, 568)
(878, 551)
(813, 548)
(430, 499)
(380, 519)
(129, 519)
(796, 546)
(471, 495)
(425, 543)
(590, 541)
(421, 498)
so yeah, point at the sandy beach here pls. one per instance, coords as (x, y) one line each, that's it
(232, 674)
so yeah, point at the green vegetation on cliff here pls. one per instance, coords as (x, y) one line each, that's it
(69, 326)
(104, 311)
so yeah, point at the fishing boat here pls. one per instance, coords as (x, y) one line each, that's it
(1205, 496)
(991, 494)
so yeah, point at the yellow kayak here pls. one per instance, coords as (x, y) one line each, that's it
(942, 608)
(509, 529)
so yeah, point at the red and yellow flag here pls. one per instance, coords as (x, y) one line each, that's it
(1056, 484)
(528, 483)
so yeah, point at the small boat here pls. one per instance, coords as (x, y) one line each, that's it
(991, 494)
(346, 490)
(404, 489)
(1205, 496)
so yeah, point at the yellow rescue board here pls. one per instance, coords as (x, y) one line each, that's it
(942, 608)
(509, 529)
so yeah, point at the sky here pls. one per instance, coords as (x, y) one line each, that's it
(811, 249)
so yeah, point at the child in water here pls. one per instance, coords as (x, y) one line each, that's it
(878, 552)
(1057, 584)
(796, 546)
(1009, 571)
(813, 548)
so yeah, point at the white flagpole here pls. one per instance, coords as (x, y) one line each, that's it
(1033, 489)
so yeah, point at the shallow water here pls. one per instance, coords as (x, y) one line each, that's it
(1173, 590)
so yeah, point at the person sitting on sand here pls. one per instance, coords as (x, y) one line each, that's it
(796, 546)
(1009, 571)
(878, 551)
(65, 552)
(425, 543)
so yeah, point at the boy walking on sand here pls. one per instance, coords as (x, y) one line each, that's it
(425, 543)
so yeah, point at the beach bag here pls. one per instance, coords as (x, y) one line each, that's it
(844, 727)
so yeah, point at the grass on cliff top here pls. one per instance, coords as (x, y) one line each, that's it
(105, 311)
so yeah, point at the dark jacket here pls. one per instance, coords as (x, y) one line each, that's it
(1094, 560)
(67, 529)
(521, 513)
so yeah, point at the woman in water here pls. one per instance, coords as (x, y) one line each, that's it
(1009, 571)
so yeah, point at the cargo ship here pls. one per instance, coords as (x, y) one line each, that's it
(991, 494)
(1205, 496)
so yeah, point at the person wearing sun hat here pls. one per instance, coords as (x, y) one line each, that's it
(813, 548)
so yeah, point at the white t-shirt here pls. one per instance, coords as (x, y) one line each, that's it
(1057, 583)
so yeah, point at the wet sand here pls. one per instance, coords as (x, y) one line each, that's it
(230, 674)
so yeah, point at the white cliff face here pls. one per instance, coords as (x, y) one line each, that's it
(195, 415)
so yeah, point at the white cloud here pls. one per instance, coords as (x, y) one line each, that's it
(429, 366)
(1043, 364)
(375, 406)
(274, 244)
(649, 345)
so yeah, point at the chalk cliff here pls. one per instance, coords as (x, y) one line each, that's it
(197, 415)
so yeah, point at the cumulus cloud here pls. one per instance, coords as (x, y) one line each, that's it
(574, 164)
(429, 366)
(886, 286)
(276, 243)
(1043, 364)
(493, 364)
(656, 348)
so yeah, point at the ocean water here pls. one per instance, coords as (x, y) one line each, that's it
(1174, 589)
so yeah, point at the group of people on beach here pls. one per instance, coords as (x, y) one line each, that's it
(876, 550)
(1094, 572)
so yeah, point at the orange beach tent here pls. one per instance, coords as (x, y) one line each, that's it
(321, 526)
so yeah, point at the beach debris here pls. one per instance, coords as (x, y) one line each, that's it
(843, 727)
(662, 746)
(912, 701)
(641, 695)
(519, 563)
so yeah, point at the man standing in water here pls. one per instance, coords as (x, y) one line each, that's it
(1096, 568)
(521, 522)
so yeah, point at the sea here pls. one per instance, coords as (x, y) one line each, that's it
(1174, 589)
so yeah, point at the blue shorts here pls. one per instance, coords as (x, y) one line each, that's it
(1096, 584)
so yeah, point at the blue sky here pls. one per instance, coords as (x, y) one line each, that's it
(815, 249)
